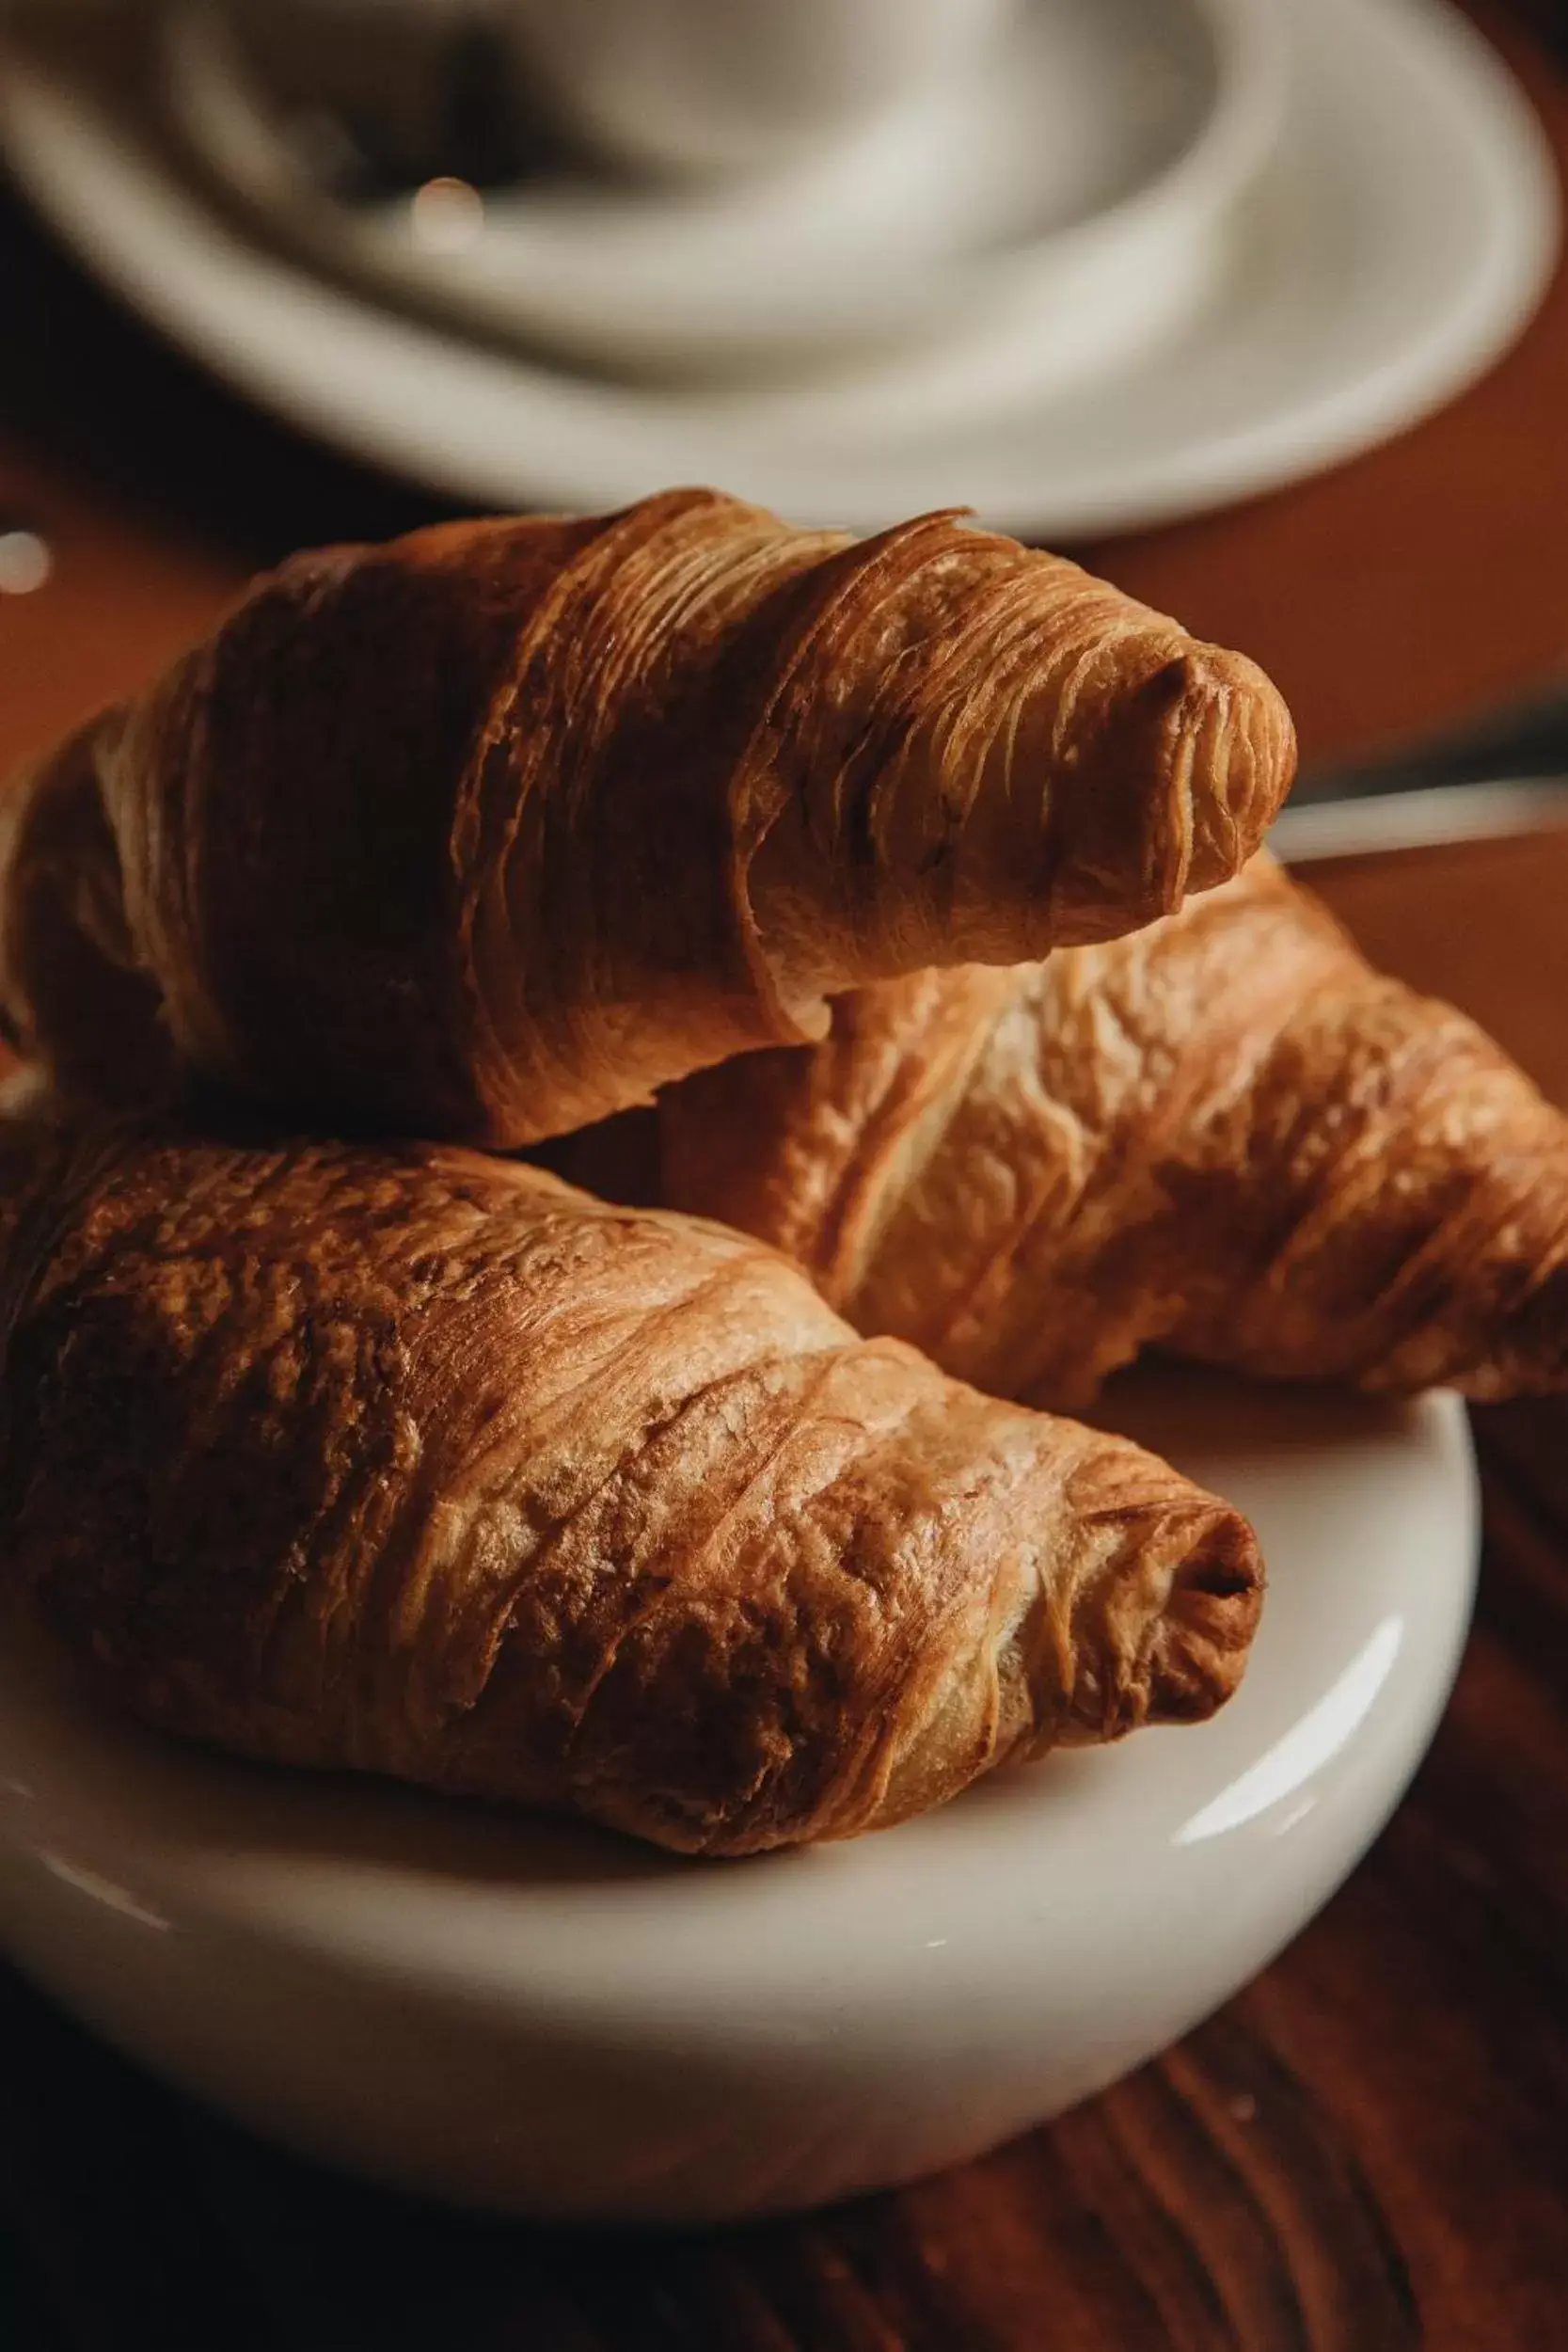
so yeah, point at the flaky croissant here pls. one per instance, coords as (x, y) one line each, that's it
(421, 1462)
(1228, 1136)
(487, 833)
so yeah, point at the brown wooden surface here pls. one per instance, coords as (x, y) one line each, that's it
(1369, 2149)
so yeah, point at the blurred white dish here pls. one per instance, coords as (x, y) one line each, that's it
(1399, 244)
(732, 85)
(1075, 189)
(543, 2018)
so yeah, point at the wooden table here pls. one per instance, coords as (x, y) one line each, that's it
(1367, 2149)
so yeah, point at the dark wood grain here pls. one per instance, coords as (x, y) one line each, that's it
(1368, 2150)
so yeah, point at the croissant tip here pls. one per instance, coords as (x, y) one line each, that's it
(1163, 1636)
(1205, 1635)
(1247, 741)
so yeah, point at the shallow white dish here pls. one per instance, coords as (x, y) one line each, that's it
(550, 2021)
(1081, 180)
(1400, 241)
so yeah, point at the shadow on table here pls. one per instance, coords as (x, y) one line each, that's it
(91, 392)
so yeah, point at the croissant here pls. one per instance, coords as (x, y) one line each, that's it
(420, 1462)
(487, 833)
(1228, 1136)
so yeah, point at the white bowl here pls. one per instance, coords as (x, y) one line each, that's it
(1078, 191)
(537, 2018)
(1406, 231)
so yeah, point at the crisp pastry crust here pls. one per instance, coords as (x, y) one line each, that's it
(420, 1462)
(1226, 1137)
(489, 831)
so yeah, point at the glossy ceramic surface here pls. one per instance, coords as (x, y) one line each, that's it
(1397, 244)
(738, 85)
(539, 2018)
(1074, 187)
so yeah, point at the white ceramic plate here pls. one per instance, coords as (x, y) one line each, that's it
(550, 2021)
(1399, 243)
(1081, 180)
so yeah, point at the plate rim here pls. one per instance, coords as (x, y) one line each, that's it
(512, 414)
(193, 1857)
(1190, 192)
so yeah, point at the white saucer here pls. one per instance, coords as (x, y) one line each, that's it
(550, 2021)
(1080, 180)
(1402, 239)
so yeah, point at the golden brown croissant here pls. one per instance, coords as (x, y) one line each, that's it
(1228, 1136)
(420, 1462)
(488, 831)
